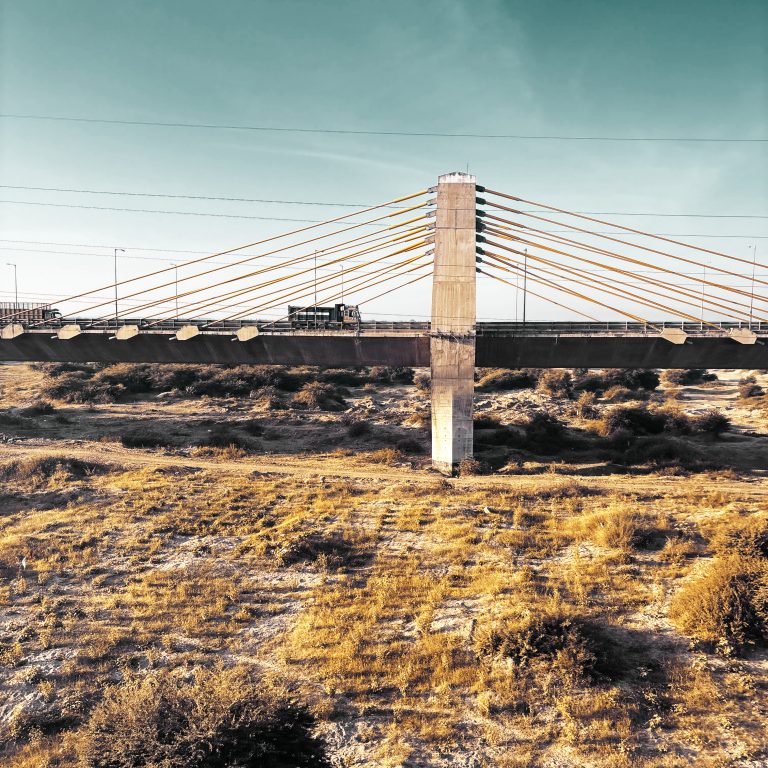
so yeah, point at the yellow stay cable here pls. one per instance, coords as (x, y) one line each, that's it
(626, 242)
(597, 281)
(654, 281)
(621, 226)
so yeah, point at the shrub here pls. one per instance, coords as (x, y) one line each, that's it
(269, 397)
(319, 396)
(635, 420)
(636, 379)
(686, 376)
(387, 374)
(215, 719)
(358, 428)
(727, 606)
(143, 438)
(618, 394)
(37, 408)
(711, 422)
(555, 383)
(389, 456)
(664, 451)
(77, 387)
(498, 379)
(748, 387)
(586, 407)
(486, 421)
(471, 466)
(409, 445)
(422, 381)
(331, 551)
(223, 436)
(346, 377)
(746, 536)
(574, 646)
(545, 433)
(45, 467)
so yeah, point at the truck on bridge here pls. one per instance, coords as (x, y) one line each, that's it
(28, 311)
(324, 317)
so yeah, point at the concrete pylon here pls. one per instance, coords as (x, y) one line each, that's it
(454, 314)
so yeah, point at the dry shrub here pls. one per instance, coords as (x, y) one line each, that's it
(685, 376)
(409, 445)
(498, 379)
(575, 647)
(555, 383)
(318, 396)
(748, 387)
(727, 606)
(486, 421)
(471, 466)
(359, 428)
(389, 456)
(745, 535)
(346, 377)
(39, 470)
(388, 374)
(37, 408)
(546, 434)
(269, 397)
(711, 422)
(586, 406)
(637, 379)
(621, 528)
(140, 437)
(422, 381)
(620, 394)
(222, 718)
(332, 551)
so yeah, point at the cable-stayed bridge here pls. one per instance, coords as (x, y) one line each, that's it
(622, 287)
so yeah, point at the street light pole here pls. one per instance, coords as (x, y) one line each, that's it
(116, 312)
(15, 283)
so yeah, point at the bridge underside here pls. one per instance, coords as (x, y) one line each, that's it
(346, 350)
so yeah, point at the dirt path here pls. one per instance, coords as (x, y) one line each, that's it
(333, 467)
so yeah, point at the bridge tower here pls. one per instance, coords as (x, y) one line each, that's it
(454, 314)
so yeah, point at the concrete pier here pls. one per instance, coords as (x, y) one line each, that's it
(454, 314)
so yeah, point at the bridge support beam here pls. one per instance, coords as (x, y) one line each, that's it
(454, 314)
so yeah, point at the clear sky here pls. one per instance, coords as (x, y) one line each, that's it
(653, 69)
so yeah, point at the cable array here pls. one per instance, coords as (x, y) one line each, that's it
(635, 279)
(314, 261)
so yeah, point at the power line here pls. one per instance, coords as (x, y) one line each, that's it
(127, 193)
(354, 132)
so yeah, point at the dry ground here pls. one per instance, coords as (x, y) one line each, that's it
(374, 590)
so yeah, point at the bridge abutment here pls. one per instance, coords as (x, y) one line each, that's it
(454, 315)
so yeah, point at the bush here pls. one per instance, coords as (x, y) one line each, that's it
(634, 420)
(269, 397)
(664, 451)
(618, 394)
(143, 438)
(319, 396)
(409, 445)
(555, 383)
(215, 719)
(346, 377)
(387, 374)
(746, 536)
(423, 382)
(358, 428)
(471, 466)
(389, 456)
(545, 434)
(685, 376)
(37, 408)
(586, 407)
(45, 467)
(636, 379)
(748, 387)
(486, 421)
(573, 646)
(498, 379)
(712, 422)
(331, 551)
(727, 606)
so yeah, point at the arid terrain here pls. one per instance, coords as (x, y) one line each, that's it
(592, 590)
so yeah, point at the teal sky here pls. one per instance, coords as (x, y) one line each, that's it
(689, 68)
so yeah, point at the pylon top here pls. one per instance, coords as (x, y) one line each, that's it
(457, 178)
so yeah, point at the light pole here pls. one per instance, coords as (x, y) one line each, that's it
(525, 282)
(116, 312)
(176, 272)
(752, 289)
(15, 283)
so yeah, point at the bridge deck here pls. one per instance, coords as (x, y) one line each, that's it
(533, 344)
